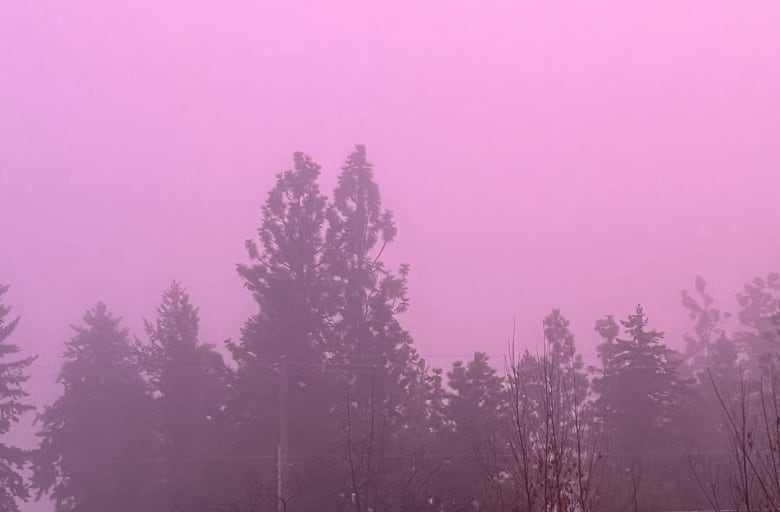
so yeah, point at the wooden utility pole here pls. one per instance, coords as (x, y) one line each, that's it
(281, 463)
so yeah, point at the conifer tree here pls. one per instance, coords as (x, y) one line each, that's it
(188, 379)
(285, 276)
(476, 426)
(385, 378)
(642, 398)
(97, 443)
(642, 387)
(13, 375)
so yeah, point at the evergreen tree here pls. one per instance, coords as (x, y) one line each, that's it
(285, 276)
(365, 295)
(641, 398)
(384, 375)
(188, 379)
(642, 387)
(475, 397)
(475, 422)
(13, 375)
(97, 443)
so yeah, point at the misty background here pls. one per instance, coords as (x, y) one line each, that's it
(536, 156)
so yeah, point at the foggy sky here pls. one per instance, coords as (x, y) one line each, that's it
(584, 156)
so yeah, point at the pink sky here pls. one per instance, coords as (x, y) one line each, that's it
(586, 155)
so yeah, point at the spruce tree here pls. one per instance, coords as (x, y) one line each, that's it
(476, 425)
(642, 399)
(642, 386)
(97, 449)
(13, 376)
(188, 379)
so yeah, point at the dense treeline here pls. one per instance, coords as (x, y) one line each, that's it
(324, 404)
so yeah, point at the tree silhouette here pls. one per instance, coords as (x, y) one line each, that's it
(97, 444)
(13, 376)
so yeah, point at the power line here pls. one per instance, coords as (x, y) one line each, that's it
(438, 456)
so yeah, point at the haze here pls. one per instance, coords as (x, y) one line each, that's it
(537, 155)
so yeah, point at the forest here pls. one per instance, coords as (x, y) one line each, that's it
(325, 405)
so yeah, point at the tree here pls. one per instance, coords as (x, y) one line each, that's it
(475, 399)
(97, 443)
(710, 352)
(365, 295)
(608, 329)
(188, 380)
(551, 435)
(760, 304)
(743, 386)
(641, 398)
(285, 276)
(384, 382)
(12, 406)
(710, 356)
(473, 439)
(708, 324)
(570, 446)
(326, 328)
(708, 349)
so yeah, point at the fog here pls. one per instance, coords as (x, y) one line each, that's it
(535, 156)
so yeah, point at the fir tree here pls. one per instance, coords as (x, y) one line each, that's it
(642, 398)
(642, 386)
(97, 444)
(13, 376)
(188, 379)
(475, 423)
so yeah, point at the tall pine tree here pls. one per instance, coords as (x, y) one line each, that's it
(285, 276)
(285, 273)
(385, 380)
(13, 375)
